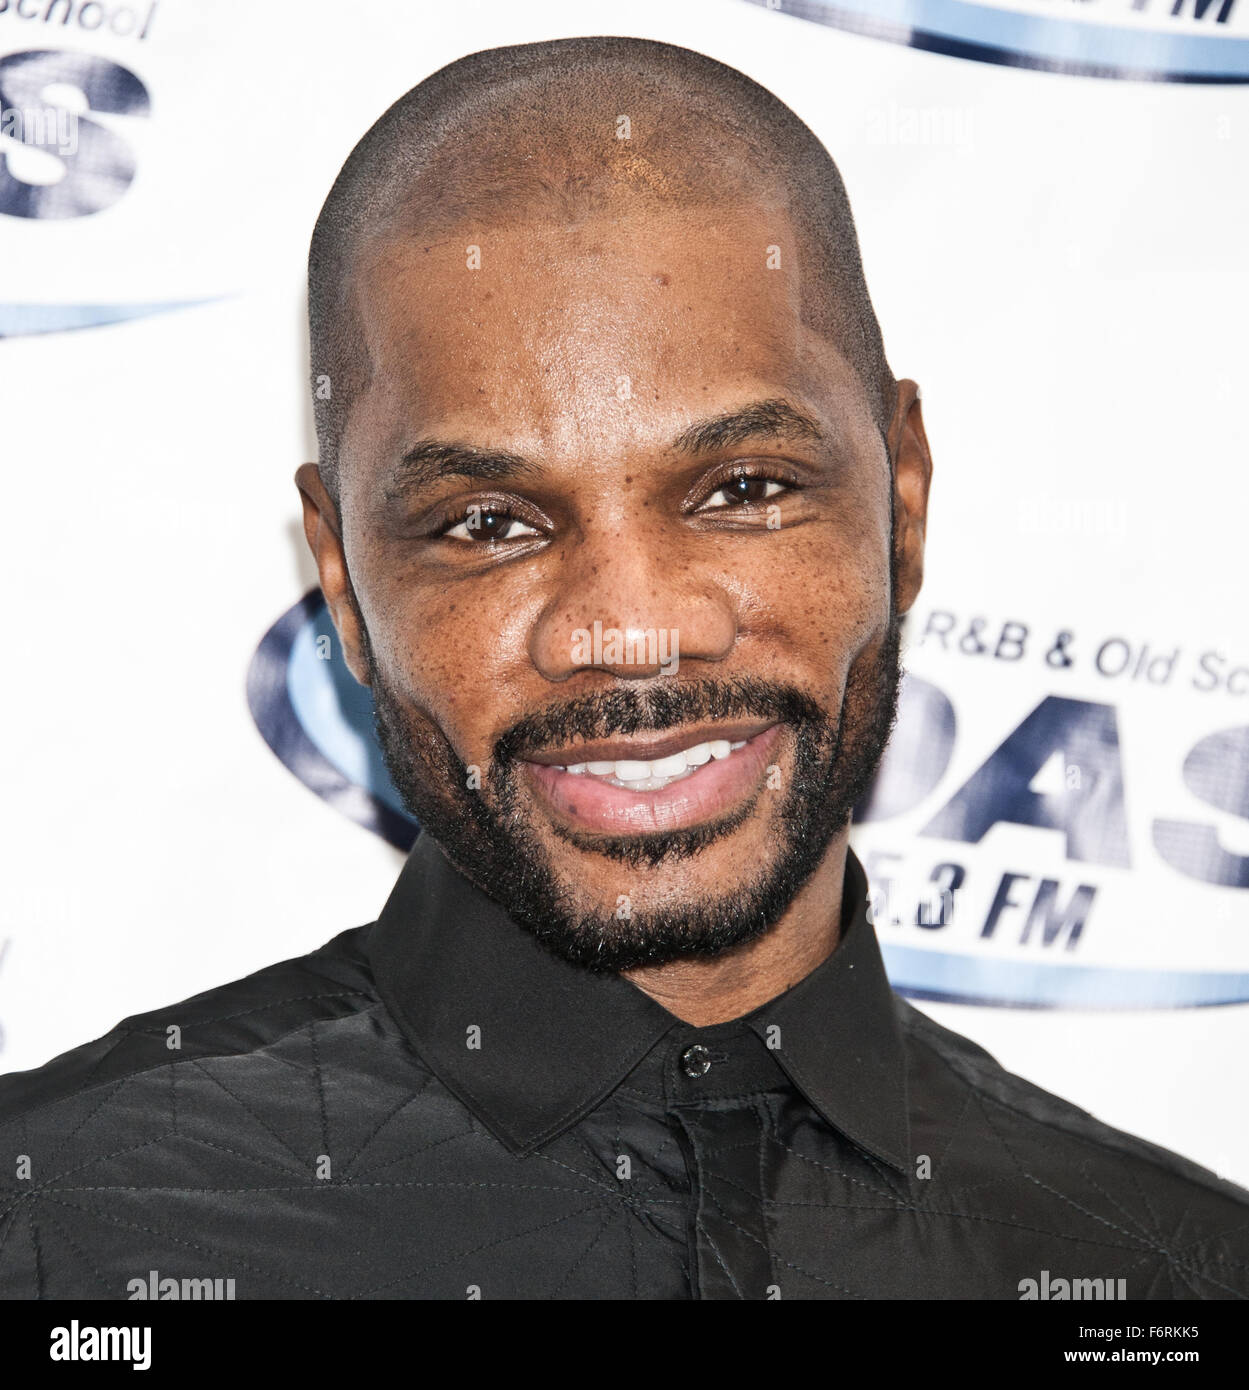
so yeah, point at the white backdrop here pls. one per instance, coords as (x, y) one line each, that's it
(1057, 256)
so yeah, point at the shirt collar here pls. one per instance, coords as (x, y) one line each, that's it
(531, 1044)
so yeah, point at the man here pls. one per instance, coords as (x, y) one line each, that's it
(618, 510)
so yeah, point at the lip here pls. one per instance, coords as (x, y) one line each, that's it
(707, 793)
(647, 749)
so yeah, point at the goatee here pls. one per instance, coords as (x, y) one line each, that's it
(481, 825)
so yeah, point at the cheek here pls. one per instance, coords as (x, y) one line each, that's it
(817, 600)
(454, 657)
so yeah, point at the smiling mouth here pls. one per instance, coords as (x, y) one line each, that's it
(641, 785)
(650, 776)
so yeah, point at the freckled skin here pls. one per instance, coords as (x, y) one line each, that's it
(526, 355)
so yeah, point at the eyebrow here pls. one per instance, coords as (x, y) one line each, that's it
(429, 461)
(772, 419)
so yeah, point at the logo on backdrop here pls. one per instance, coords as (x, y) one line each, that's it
(1058, 773)
(58, 163)
(318, 719)
(1137, 40)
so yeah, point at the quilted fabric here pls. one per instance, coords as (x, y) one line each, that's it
(330, 1128)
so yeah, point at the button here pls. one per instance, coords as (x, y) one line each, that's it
(696, 1060)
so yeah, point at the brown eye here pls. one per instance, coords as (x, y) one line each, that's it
(481, 524)
(743, 490)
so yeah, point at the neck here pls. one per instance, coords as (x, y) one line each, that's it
(704, 992)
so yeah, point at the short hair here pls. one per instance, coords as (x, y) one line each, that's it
(536, 125)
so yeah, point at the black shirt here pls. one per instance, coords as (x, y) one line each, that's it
(435, 1107)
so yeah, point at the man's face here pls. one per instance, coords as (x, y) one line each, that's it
(606, 502)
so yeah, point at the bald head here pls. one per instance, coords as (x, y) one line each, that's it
(572, 130)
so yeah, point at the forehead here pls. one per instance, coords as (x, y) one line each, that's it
(551, 337)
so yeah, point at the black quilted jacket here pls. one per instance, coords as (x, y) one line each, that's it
(434, 1107)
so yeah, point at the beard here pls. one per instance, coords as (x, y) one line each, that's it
(486, 835)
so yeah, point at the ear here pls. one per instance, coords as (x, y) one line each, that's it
(323, 530)
(912, 474)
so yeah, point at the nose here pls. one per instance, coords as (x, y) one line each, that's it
(635, 603)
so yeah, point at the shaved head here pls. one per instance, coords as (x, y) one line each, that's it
(572, 130)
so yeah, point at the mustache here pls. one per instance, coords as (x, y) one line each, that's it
(632, 710)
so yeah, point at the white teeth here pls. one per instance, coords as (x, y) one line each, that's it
(667, 767)
(638, 775)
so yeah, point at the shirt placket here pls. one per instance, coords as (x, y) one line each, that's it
(722, 1121)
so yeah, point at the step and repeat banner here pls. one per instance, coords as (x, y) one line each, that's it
(1053, 202)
